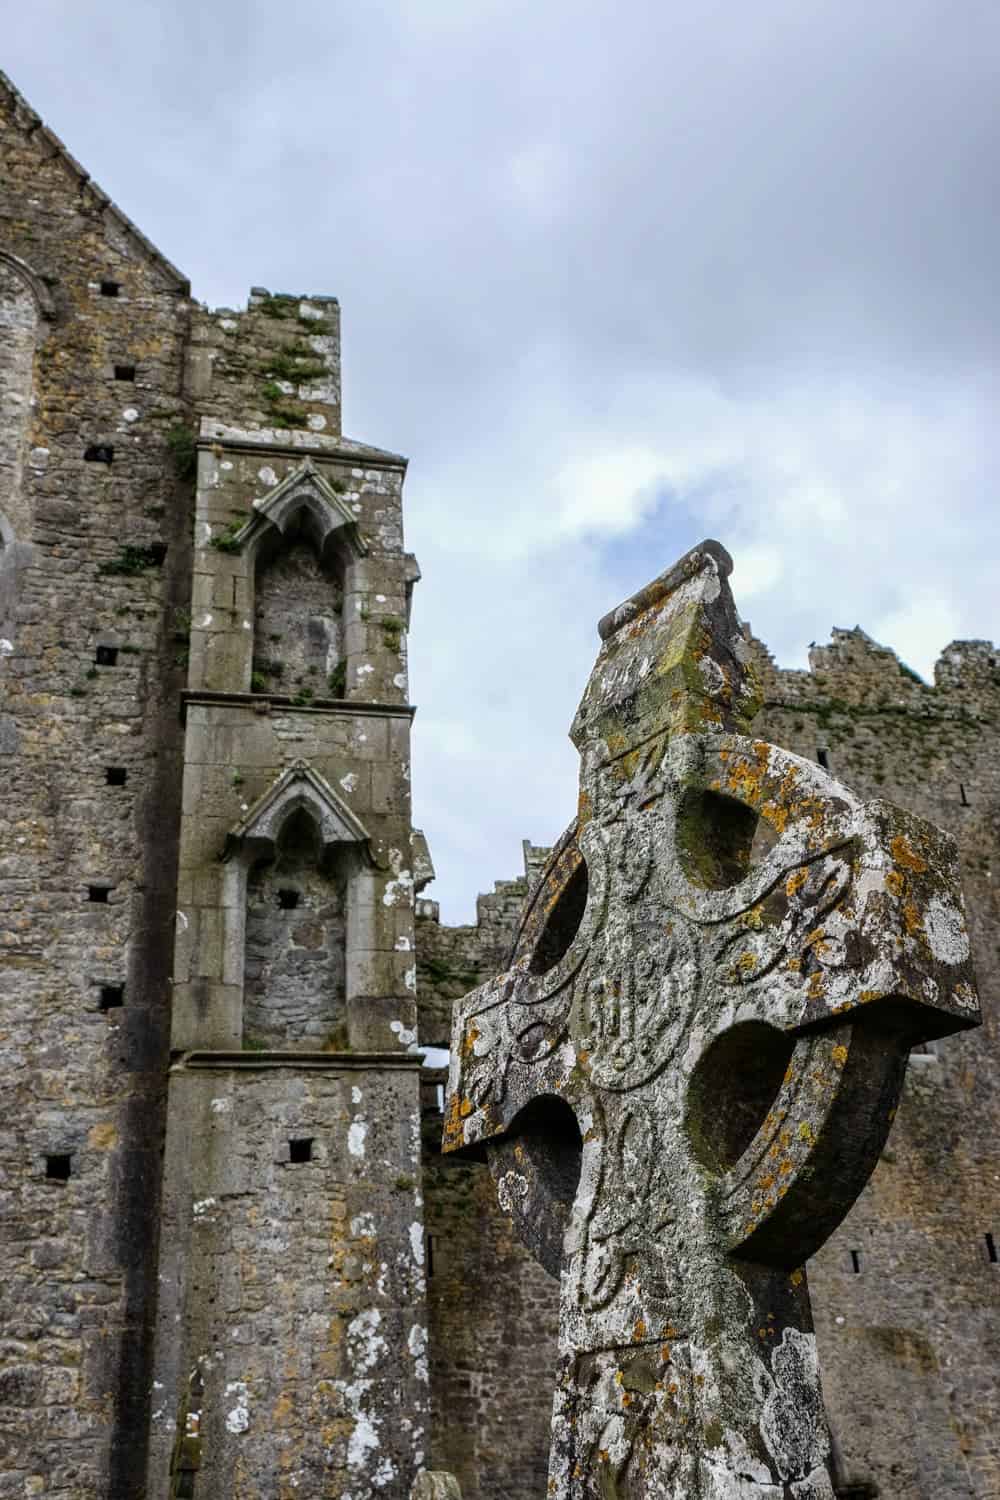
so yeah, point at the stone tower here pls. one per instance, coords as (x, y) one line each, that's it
(208, 883)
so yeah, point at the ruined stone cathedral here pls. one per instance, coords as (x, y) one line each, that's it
(235, 1262)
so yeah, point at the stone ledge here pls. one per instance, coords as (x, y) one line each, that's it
(263, 702)
(327, 1061)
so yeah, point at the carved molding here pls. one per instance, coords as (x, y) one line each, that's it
(304, 490)
(35, 285)
(299, 788)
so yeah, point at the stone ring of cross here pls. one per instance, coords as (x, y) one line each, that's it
(687, 1071)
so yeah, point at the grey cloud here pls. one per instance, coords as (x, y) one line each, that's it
(615, 277)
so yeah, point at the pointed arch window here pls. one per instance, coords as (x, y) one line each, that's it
(301, 864)
(299, 542)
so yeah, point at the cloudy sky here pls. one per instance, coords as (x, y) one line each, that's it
(615, 276)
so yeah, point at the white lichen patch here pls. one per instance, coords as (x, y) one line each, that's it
(946, 931)
(512, 1189)
(238, 1416)
(356, 1136)
(403, 944)
(221, 1106)
(349, 782)
(417, 1244)
(267, 476)
(416, 1343)
(366, 1346)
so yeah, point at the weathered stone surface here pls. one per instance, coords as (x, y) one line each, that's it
(438, 1486)
(730, 1036)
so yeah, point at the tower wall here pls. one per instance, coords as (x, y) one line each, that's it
(94, 570)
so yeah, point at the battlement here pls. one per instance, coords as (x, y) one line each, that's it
(272, 367)
(856, 671)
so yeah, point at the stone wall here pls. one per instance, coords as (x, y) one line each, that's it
(493, 1314)
(95, 567)
(180, 513)
(906, 1294)
(906, 1297)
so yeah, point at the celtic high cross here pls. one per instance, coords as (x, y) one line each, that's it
(687, 1073)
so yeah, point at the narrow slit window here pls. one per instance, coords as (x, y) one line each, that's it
(288, 900)
(98, 893)
(112, 996)
(115, 775)
(124, 372)
(58, 1168)
(991, 1249)
(961, 793)
(110, 288)
(301, 1149)
(106, 656)
(99, 453)
(431, 1239)
(823, 756)
(157, 553)
(856, 1262)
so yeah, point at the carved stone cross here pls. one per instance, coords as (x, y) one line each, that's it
(686, 1075)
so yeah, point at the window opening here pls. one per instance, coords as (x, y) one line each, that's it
(823, 756)
(124, 372)
(856, 1262)
(112, 995)
(115, 775)
(99, 453)
(288, 900)
(430, 1256)
(98, 893)
(157, 553)
(110, 288)
(301, 1150)
(57, 1168)
(991, 1249)
(106, 656)
(961, 793)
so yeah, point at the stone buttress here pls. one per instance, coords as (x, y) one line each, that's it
(290, 1347)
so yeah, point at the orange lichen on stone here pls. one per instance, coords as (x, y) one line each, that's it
(904, 855)
(839, 1055)
(895, 883)
(796, 881)
(912, 919)
(454, 1134)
